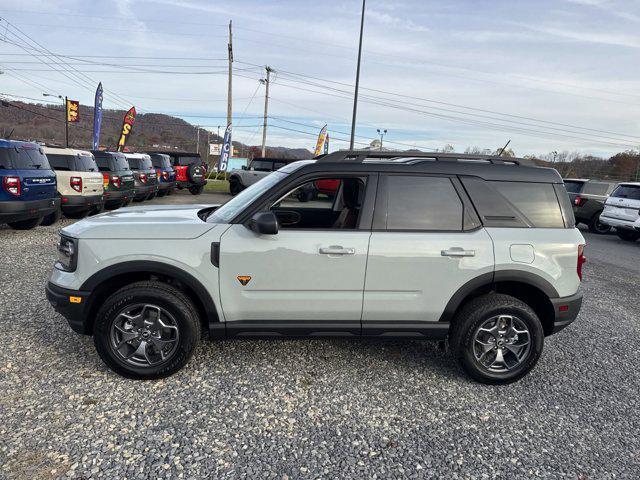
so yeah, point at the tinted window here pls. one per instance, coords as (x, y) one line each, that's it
(85, 163)
(103, 164)
(261, 165)
(627, 191)
(422, 203)
(596, 188)
(161, 161)
(119, 162)
(537, 201)
(573, 187)
(188, 160)
(60, 162)
(23, 159)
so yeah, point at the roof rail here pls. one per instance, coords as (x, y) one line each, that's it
(359, 156)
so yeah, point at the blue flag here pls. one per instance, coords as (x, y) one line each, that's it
(226, 150)
(97, 117)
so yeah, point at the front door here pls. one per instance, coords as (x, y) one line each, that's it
(312, 270)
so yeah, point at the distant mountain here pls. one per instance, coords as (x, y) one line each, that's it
(45, 123)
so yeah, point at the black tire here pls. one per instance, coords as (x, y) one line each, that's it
(52, 218)
(196, 189)
(234, 186)
(77, 215)
(476, 313)
(595, 226)
(96, 210)
(627, 235)
(161, 193)
(167, 297)
(152, 196)
(25, 224)
(170, 191)
(196, 173)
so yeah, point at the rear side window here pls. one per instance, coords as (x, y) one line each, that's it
(573, 187)
(262, 165)
(422, 203)
(536, 201)
(631, 192)
(597, 188)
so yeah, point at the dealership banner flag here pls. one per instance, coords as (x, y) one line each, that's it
(320, 142)
(97, 117)
(127, 126)
(73, 111)
(326, 144)
(223, 163)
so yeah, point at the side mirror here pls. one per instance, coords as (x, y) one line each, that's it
(244, 167)
(264, 223)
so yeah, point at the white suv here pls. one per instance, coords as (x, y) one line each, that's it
(478, 249)
(622, 210)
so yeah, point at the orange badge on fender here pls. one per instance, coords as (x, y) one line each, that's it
(243, 279)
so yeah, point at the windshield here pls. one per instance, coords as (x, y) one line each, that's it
(23, 159)
(233, 207)
(573, 187)
(86, 163)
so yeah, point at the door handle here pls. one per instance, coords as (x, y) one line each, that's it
(458, 252)
(337, 250)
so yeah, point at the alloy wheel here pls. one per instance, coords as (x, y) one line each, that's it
(144, 335)
(501, 343)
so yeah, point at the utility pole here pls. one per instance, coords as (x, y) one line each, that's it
(355, 95)
(66, 116)
(197, 139)
(382, 133)
(229, 90)
(266, 109)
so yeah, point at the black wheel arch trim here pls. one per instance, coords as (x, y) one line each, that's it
(489, 280)
(158, 268)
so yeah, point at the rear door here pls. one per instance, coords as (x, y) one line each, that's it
(37, 179)
(624, 203)
(426, 243)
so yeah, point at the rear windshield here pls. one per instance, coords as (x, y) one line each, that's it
(23, 159)
(140, 163)
(573, 187)
(60, 162)
(188, 160)
(161, 161)
(86, 163)
(631, 192)
(119, 162)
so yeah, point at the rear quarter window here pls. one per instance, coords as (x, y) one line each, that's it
(536, 201)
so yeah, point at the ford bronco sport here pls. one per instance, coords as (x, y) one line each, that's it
(80, 184)
(144, 176)
(28, 195)
(477, 249)
(117, 178)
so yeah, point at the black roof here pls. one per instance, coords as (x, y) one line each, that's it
(488, 167)
(173, 153)
(105, 154)
(275, 159)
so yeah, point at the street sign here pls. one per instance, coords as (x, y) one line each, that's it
(215, 148)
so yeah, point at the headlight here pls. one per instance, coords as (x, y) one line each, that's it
(67, 254)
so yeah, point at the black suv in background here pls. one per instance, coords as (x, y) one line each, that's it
(117, 178)
(588, 198)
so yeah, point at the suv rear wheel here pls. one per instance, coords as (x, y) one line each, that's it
(628, 235)
(496, 338)
(146, 330)
(25, 224)
(52, 218)
(596, 226)
(196, 189)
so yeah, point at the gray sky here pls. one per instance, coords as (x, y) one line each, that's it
(550, 75)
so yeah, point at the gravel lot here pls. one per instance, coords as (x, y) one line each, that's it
(318, 408)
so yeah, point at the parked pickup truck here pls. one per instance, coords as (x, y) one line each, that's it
(588, 198)
(258, 168)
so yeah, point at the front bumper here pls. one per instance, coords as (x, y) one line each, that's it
(618, 223)
(71, 304)
(17, 210)
(566, 310)
(79, 203)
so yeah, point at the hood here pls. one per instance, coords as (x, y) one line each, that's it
(152, 222)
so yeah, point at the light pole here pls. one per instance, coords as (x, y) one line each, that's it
(66, 119)
(355, 94)
(382, 133)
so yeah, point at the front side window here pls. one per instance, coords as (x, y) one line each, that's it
(422, 203)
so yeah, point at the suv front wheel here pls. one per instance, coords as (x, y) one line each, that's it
(496, 338)
(146, 330)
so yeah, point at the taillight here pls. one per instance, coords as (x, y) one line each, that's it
(579, 201)
(165, 175)
(12, 185)
(115, 180)
(143, 177)
(581, 260)
(158, 173)
(76, 183)
(105, 180)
